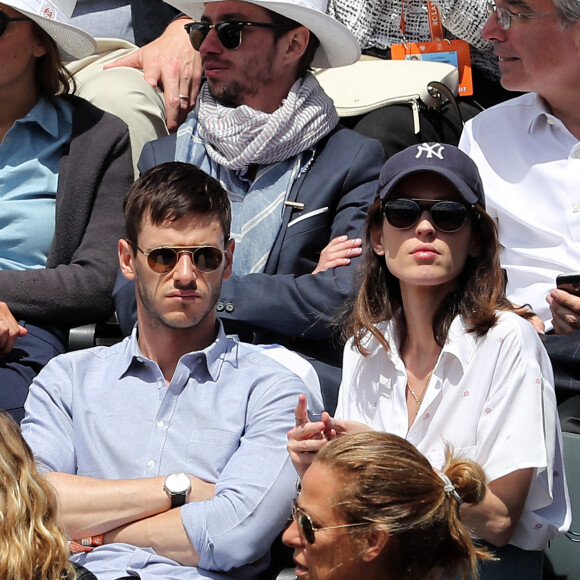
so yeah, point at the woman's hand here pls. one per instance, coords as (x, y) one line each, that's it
(338, 252)
(308, 437)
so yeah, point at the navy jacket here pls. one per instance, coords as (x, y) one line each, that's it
(287, 304)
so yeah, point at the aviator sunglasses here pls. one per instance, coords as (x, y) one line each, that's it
(204, 258)
(5, 20)
(447, 216)
(229, 32)
(305, 523)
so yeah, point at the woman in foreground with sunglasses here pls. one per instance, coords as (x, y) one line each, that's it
(371, 506)
(439, 356)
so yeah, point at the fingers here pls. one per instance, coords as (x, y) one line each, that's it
(10, 330)
(301, 410)
(565, 309)
(303, 444)
(132, 60)
(338, 252)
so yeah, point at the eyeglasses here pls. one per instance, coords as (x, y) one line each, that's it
(447, 216)
(5, 20)
(204, 258)
(504, 16)
(229, 32)
(305, 523)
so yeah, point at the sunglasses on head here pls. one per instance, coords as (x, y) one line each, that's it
(5, 20)
(307, 527)
(447, 216)
(164, 259)
(229, 32)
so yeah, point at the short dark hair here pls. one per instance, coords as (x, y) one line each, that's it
(171, 191)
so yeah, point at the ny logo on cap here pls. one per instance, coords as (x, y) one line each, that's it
(431, 150)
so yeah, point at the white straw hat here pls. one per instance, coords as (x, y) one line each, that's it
(53, 17)
(338, 46)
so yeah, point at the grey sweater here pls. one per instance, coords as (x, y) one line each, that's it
(94, 174)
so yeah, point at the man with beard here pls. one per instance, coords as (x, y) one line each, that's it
(168, 450)
(296, 179)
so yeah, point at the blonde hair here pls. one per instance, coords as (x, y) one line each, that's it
(32, 544)
(388, 484)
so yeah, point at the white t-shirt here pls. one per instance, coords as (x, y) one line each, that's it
(491, 398)
(530, 168)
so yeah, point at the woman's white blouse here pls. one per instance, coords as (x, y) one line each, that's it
(491, 398)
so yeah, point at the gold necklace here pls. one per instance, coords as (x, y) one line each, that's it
(417, 399)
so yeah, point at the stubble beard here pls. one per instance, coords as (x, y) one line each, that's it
(159, 320)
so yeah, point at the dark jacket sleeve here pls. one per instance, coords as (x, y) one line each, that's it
(94, 175)
(288, 299)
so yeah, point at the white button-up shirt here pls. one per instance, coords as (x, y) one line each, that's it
(530, 167)
(491, 398)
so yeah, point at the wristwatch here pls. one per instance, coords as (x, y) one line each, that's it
(177, 486)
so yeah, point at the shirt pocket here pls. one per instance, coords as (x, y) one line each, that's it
(209, 450)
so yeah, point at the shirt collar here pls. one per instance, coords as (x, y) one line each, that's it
(212, 357)
(45, 115)
(459, 343)
(539, 115)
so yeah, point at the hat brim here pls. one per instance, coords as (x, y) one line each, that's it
(462, 187)
(338, 46)
(71, 40)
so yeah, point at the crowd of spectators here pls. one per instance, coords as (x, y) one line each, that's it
(176, 164)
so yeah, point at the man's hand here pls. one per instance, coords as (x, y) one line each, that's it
(565, 309)
(170, 63)
(10, 330)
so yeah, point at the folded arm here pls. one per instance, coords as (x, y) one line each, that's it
(89, 506)
(496, 517)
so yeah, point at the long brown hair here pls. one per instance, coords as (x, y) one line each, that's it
(33, 546)
(479, 293)
(389, 485)
(52, 77)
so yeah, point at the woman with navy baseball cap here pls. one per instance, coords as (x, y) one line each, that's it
(439, 356)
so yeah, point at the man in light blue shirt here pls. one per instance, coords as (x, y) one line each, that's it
(168, 450)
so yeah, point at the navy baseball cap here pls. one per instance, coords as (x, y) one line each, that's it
(446, 160)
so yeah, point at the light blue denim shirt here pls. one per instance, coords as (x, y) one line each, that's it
(108, 413)
(30, 155)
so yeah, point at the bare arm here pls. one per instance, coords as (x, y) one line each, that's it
(89, 506)
(163, 532)
(497, 516)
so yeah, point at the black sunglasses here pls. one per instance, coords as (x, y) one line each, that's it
(447, 216)
(305, 523)
(204, 258)
(5, 20)
(229, 32)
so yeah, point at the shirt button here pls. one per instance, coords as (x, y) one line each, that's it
(230, 307)
(577, 154)
(219, 306)
(576, 208)
(151, 464)
(160, 424)
(550, 121)
(159, 384)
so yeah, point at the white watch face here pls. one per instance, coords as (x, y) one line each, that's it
(177, 483)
